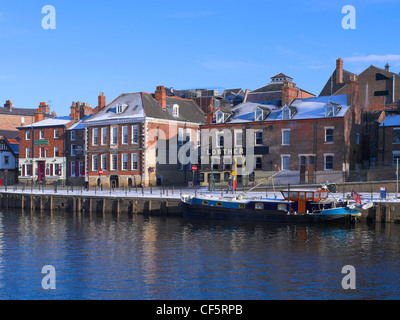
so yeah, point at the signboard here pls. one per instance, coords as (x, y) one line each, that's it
(5, 170)
(233, 173)
(100, 172)
(194, 168)
(41, 142)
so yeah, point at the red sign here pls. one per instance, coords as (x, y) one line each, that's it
(194, 168)
(5, 170)
(100, 172)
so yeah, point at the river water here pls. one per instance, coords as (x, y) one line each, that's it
(141, 257)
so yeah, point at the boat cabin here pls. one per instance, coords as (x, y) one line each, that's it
(304, 196)
(309, 195)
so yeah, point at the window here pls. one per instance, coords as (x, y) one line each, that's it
(285, 162)
(381, 93)
(57, 169)
(198, 136)
(380, 76)
(258, 163)
(328, 110)
(259, 206)
(258, 138)
(22, 119)
(72, 166)
(6, 160)
(41, 152)
(258, 115)
(81, 168)
(219, 117)
(328, 134)
(94, 162)
(220, 139)
(357, 138)
(114, 135)
(175, 110)
(56, 152)
(125, 135)
(188, 135)
(180, 136)
(134, 161)
(27, 152)
(135, 136)
(41, 134)
(73, 135)
(103, 163)
(104, 133)
(29, 170)
(114, 162)
(119, 108)
(124, 161)
(328, 162)
(95, 138)
(396, 155)
(28, 135)
(73, 148)
(285, 113)
(238, 138)
(285, 137)
(56, 133)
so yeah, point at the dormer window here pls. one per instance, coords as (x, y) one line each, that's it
(119, 108)
(286, 113)
(175, 110)
(258, 115)
(219, 117)
(331, 109)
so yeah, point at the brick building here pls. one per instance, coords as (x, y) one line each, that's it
(76, 142)
(42, 156)
(310, 140)
(378, 96)
(134, 138)
(8, 160)
(12, 117)
(279, 92)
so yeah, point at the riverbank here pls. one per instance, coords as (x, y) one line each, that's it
(156, 201)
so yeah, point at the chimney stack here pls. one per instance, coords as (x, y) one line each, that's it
(101, 101)
(43, 107)
(339, 70)
(289, 92)
(8, 105)
(39, 115)
(161, 96)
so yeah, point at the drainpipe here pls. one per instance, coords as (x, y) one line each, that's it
(393, 82)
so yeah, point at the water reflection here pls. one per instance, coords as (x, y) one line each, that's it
(140, 257)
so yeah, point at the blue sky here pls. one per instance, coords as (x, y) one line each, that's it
(127, 46)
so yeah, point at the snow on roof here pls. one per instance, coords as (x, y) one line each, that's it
(391, 121)
(308, 108)
(50, 122)
(79, 125)
(132, 107)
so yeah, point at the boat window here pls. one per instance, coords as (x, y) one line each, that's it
(205, 202)
(242, 206)
(324, 194)
(309, 195)
(259, 206)
(282, 207)
(302, 195)
(285, 194)
(295, 195)
(219, 204)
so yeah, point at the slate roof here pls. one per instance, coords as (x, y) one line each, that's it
(307, 108)
(18, 111)
(140, 105)
(50, 122)
(9, 134)
(79, 125)
(331, 86)
(391, 121)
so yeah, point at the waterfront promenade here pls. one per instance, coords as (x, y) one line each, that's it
(156, 200)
